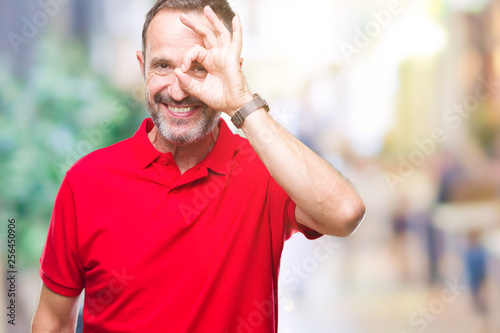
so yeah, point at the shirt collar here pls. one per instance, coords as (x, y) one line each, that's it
(144, 150)
(217, 159)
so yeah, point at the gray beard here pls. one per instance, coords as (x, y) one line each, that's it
(166, 127)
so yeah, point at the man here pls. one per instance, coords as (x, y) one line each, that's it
(180, 228)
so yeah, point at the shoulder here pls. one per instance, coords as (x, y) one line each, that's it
(233, 151)
(245, 156)
(102, 159)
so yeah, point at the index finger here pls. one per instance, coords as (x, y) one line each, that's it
(200, 29)
(219, 27)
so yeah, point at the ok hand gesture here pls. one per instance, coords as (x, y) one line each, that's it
(224, 88)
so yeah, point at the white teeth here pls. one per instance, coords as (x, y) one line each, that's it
(179, 110)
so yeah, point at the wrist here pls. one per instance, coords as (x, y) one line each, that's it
(247, 97)
(254, 120)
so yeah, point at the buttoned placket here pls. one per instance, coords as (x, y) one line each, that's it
(169, 172)
(166, 169)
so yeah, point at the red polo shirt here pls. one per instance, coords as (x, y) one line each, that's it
(157, 251)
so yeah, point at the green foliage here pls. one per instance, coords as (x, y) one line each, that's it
(63, 111)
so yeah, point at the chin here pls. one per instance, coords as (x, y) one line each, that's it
(186, 134)
(184, 131)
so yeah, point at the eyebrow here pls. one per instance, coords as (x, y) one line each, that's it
(164, 60)
(161, 59)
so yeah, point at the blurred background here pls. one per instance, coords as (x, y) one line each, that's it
(403, 97)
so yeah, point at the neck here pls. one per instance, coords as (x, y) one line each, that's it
(186, 156)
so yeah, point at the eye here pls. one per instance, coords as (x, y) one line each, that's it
(200, 69)
(162, 68)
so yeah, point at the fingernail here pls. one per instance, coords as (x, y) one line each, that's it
(183, 68)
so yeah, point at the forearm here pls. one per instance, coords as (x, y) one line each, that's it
(45, 321)
(321, 193)
(325, 201)
(55, 313)
(46, 324)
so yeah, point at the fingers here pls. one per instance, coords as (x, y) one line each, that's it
(216, 35)
(217, 24)
(187, 83)
(196, 53)
(237, 41)
(200, 29)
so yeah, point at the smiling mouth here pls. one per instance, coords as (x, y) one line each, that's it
(181, 111)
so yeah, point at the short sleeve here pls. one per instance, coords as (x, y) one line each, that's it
(60, 265)
(282, 210)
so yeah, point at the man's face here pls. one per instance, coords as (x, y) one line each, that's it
(180, 118)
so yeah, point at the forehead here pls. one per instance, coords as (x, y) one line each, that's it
(166, 32)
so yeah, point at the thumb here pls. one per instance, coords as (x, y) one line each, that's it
(186, 82)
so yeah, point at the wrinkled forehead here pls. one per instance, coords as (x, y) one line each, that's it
(167, 32)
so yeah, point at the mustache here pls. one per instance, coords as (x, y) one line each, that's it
(166, 99)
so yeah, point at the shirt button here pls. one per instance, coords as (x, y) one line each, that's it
(164, 163)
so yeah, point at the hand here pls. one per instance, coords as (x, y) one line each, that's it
(224, 88)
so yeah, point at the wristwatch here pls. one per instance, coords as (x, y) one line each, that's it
(248, 108)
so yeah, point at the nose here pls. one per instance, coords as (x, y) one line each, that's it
(175, 91)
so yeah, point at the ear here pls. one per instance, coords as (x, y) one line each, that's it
(241, 62)
(140, 59)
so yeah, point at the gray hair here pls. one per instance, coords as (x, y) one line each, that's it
(220, 7)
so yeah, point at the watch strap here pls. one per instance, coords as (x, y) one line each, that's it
(256, 103)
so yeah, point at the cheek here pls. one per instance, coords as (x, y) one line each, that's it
(155, 84)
